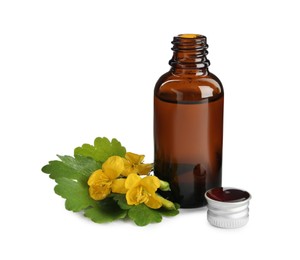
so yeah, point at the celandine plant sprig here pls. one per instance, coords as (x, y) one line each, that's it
(107, 183)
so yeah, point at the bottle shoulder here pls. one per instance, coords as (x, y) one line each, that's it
(188, 88)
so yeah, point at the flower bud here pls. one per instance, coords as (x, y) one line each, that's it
(164, 186)
(167, 203)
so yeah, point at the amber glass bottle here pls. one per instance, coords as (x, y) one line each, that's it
(188, 123)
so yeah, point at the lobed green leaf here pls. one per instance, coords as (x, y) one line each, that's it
(142, 215)
(75, 192)
(101, 150)
(105, 211)
(121, 200)
(78, 168)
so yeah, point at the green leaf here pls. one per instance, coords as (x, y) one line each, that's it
(75, 192)
(101, 150)
(169, 213)
(78, 168)
(71, 175)
(105, 211)
(139, 213)
(85, 166)
(121, 200)
(142, 215)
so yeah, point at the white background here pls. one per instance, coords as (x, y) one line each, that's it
(74, 70)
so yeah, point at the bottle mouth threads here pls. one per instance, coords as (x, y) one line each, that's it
(190, 51)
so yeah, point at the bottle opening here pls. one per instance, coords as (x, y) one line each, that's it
(189, 36)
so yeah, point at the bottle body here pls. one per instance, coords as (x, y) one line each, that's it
(188, 133)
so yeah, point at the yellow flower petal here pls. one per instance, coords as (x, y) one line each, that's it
(131, 197)
(142, 190)
(113, 167)
(144, 168)
(95, 177)
(118, 186)
(133, 164)
(99, 193)
(151, 183)
(132, 181)
(128, 168)
(100, 185)
(136, 196)
(134, 158)
(154, 201)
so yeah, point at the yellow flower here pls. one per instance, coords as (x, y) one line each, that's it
(103, 182)
(142, 190)
(133, 163)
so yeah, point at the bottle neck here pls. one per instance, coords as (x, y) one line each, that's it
(189, 55)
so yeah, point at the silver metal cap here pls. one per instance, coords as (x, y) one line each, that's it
(227, 207)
